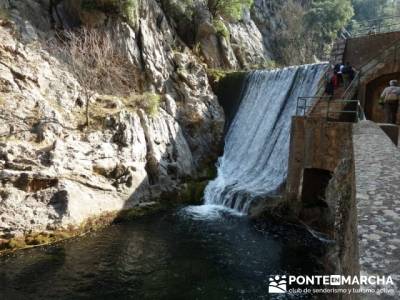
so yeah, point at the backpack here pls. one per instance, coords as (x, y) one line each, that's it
(346, 70)
(391, 97)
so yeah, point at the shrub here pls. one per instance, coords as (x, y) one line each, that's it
(325, 18)
(216, 75)
(268, 64)
(228, 9)
(182, 13)
(221, 28)
(179, 7)
(96, 62)
(149, 102)
(4, 15)
(291, 41)
(128, 9)
(323, 21)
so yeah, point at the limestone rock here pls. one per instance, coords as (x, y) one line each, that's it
(54, 174)
(247, 44)
(4, 4)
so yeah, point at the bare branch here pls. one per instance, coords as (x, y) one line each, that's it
(97, 64)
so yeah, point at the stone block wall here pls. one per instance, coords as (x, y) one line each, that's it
(362, 49)
(317, 144)
(362, 213)
(321, 145)
(340, 196)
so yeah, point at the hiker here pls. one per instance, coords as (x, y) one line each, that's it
(329, 85)
(390, 101)
(352, 73)
(338, 68)
(335, 79)
(347, 73)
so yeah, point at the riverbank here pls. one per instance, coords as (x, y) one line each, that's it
(190, 194)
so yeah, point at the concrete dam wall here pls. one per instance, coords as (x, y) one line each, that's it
(343, 180)
(255, 159)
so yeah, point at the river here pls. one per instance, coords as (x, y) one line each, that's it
(202, 253)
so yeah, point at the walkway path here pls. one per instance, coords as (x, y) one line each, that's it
(377, 169)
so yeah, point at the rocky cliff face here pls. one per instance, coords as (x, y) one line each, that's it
(53, 173)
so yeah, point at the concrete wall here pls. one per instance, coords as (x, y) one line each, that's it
(314, 143)
(377, 58)
(374, 89)
(375, 76)
(360, 50)
(362, 212)
(340, 196)
(318, 144)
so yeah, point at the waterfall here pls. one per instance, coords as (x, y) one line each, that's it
(255, 159)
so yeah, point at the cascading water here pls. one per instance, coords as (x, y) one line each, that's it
(255, 159)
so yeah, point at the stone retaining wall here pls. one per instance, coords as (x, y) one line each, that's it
(314, 143)
(340, 197)
(362, 212)
(362, 49)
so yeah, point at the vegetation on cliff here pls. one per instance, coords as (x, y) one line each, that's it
(375, 13)
(310, 29)
(128, 9)
(155, 124)
(228, 9)
(373, 9)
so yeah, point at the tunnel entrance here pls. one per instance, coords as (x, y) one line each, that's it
(374, 90)
(315, 182)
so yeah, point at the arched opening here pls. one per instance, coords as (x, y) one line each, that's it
(374, 90)
(315, 210)
(315, 182)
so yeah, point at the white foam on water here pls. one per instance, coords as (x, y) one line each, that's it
(208, 212)
(255, 159)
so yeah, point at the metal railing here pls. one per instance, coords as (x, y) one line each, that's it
(353, 86)
(344, 34)
(357, 112)
(375, 26)
(305, 104)
(345, 110)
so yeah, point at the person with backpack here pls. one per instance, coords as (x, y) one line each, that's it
(348, 74)
(329, 84)
(390, 101)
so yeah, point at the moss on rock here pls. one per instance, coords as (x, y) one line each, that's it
(15, 243)
(127, 9)
(36, 239)
(193, 192)
(221, 29)
(139, 211)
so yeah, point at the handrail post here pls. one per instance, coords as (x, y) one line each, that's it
(327, 109)
(357, 112)
(305, 106)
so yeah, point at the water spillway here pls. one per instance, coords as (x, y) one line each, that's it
(255, 159)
